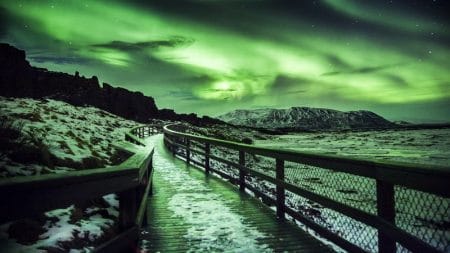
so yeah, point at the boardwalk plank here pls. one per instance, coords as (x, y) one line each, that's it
(169, 232)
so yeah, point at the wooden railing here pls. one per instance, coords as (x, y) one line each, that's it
(387, 179)
(137, 133)
(28, 196)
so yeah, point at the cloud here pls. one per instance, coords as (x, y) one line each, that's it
(4, 21)
(182, 95)
(396, 80)
(173, 42)
(278, 53)
(336, 61)
(58, 60)
(284, 84)
(195, 79)
(363, 70)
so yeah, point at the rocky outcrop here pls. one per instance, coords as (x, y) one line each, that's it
(19, 79)
(169, 114)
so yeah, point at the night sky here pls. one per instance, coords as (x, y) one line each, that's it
(210, 57)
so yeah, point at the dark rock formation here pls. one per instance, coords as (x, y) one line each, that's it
(168, 114)
(19, 79)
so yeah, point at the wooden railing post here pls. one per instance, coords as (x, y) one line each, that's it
(207, 151)
(150, 177)
(280, 189)
(386, 211)
(188, 151)
(241, 171)
(386, 175)
(172, 146)
(127, 208)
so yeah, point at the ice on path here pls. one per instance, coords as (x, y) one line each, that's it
(213, 225)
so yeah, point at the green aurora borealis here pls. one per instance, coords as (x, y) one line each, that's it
(210, 57)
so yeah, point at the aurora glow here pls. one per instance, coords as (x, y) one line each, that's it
(211, 57)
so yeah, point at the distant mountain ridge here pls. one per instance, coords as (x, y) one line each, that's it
(19, 79)
(306, 118)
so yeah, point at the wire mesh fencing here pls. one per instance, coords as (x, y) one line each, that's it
(339, 201)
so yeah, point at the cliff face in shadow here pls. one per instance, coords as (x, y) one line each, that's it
(19, 79)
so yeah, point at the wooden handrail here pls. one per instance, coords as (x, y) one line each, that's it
(425, 178)
(406, 174)
(28, 196)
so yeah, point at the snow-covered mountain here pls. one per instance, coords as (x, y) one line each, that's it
(305, 118)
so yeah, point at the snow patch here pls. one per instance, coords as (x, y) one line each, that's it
(214, 227)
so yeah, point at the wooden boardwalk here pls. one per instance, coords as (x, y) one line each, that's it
(191, 212)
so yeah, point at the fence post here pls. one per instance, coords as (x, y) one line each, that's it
(127, 208)
(128, 212)
(150, 171)
(280, 188)
(173, 146)
(207, 151)
(241, 171)
(188, 151)
(386, 211)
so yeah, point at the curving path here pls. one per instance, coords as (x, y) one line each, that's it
(191, 212)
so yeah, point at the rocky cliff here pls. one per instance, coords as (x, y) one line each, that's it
(19, 79)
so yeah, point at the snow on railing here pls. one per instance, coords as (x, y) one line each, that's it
(29, 196)
(137, 133)
(360, 205)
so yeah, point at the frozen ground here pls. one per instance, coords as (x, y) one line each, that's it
(214, 227)
(62, 230)
(424, 215)
(430, 146)
(65, 137)
(57, 137)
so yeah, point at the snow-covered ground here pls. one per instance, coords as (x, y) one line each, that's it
(74, 135)
(214, 226)
(428, 146)
(61, 134)
(71, 229)
(67, 137)
(424, 215)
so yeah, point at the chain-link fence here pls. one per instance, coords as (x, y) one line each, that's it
(342, 201)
